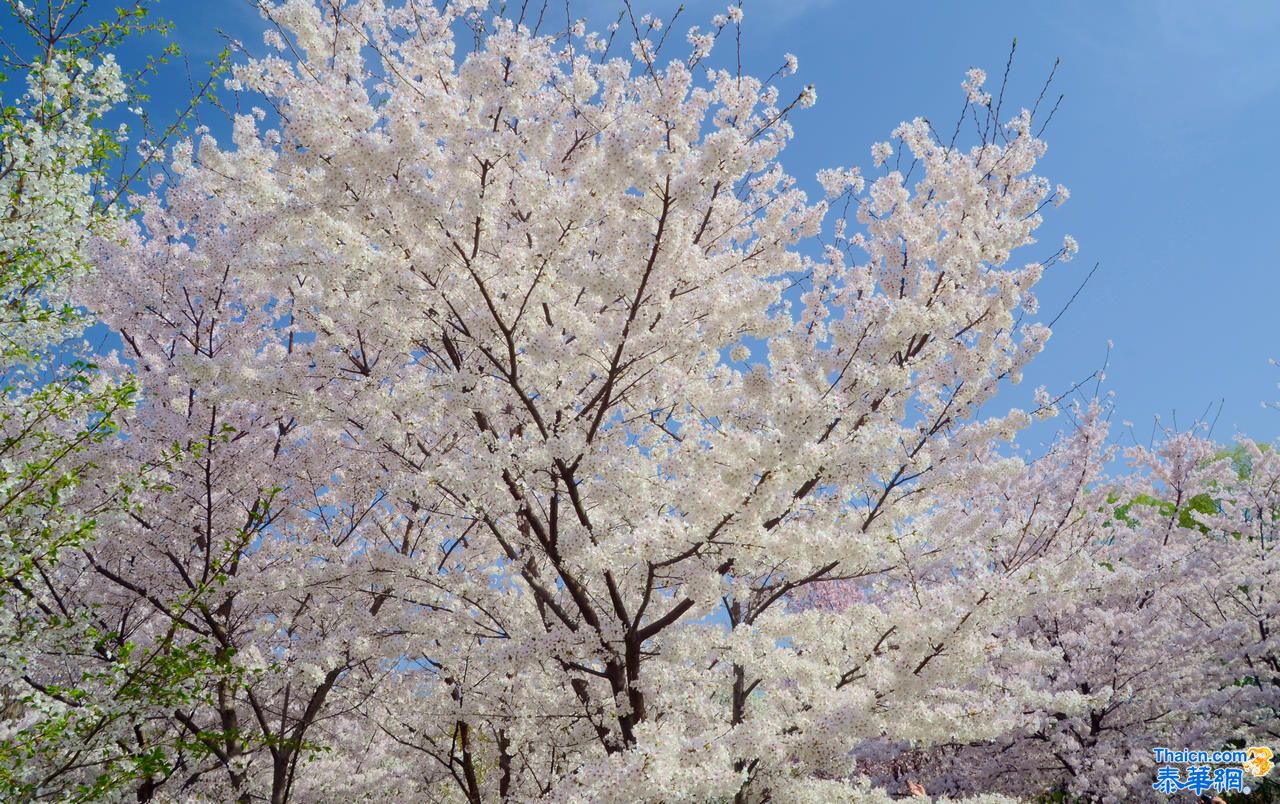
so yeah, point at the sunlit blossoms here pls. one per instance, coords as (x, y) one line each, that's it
(49, 142)
(515, 427)
(450, 335)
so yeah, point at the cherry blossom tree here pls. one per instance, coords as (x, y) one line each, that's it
(1167, 636)
(1237, 601)
(512, 425)
(520, 409)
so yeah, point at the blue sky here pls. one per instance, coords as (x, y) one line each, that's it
(1166, 138)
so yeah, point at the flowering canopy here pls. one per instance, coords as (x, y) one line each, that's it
(510, 427)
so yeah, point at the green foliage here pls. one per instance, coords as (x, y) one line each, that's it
(1184, 515)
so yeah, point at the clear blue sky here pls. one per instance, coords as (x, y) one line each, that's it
(1167, 139)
